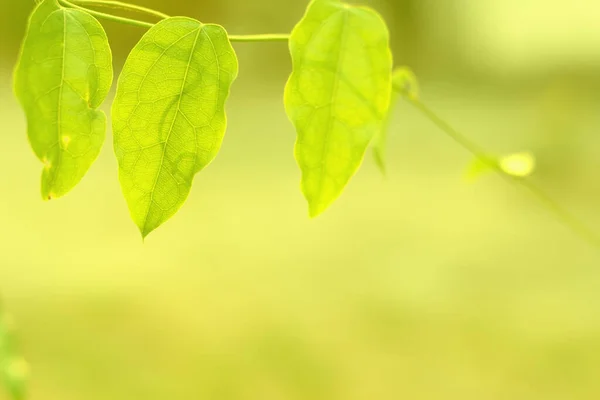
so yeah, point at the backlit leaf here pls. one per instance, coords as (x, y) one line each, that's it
(517, 165)
(405, 82)
(169, 114)
(64, 73)
(338, 94)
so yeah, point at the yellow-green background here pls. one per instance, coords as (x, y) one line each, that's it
(417, 286)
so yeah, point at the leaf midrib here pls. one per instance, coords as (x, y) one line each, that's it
(166, 141)
(59, 110)
(334, 93)
(59, 129)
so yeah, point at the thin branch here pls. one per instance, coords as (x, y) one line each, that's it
(109, 17)
(120, 5)
(266, 37)
(563, 215)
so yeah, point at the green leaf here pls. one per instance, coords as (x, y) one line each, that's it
(338, 94)
(169, 114)
(405, 82)
(480, 166)
(517, 165)
(14, 370)
(64, 73)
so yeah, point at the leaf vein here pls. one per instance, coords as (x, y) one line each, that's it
(173, 122)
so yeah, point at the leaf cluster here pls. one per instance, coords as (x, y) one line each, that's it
(168, 115)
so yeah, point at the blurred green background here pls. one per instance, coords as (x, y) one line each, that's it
(416, 286)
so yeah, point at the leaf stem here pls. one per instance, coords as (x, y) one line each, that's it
(120, 5)
(267, 37)
(78, 4)
(109, 17)
(563, 215)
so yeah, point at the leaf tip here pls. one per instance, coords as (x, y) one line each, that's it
(380, 162)
(146, 229)
(144, 234)
(48, 195)
(315, 209)
(49, 190)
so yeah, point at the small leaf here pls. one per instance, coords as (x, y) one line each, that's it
(517, 165)
(169, 114)
(405, 82)
(338, 94)
(479, 167)
(63, 75)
